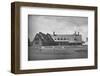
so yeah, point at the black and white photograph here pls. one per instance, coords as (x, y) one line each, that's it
(52, 37)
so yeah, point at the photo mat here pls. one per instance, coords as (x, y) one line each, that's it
(55, 58)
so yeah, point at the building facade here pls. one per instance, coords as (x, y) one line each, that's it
(42, 39)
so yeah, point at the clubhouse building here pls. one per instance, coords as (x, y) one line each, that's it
(54, 39)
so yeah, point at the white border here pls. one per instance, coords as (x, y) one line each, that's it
(25, 64)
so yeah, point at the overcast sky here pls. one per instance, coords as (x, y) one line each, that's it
(57, 24)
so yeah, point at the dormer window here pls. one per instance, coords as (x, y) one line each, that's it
(75, 39)
(64, 38)
(58, 39)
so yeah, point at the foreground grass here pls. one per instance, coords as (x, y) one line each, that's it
(58, 52)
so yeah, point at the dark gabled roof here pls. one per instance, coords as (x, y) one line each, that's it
(44, 37)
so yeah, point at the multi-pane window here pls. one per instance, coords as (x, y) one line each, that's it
(61, 38)
(58, 39)
(64, 38)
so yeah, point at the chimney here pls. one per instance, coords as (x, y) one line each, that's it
(75, 33)
(78, 33)
(54, 33)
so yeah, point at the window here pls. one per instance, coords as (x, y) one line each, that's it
(75, 39)
(64, 38)
(61, 38)
(58, 39)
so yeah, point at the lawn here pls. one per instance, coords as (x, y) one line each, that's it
(57, 52)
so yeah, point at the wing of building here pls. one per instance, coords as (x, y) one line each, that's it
(57, 39)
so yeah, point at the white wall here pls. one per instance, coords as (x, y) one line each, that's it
(5, 42)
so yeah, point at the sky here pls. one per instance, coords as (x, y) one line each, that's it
(57, 24)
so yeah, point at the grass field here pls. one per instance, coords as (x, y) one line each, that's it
(57, 52)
